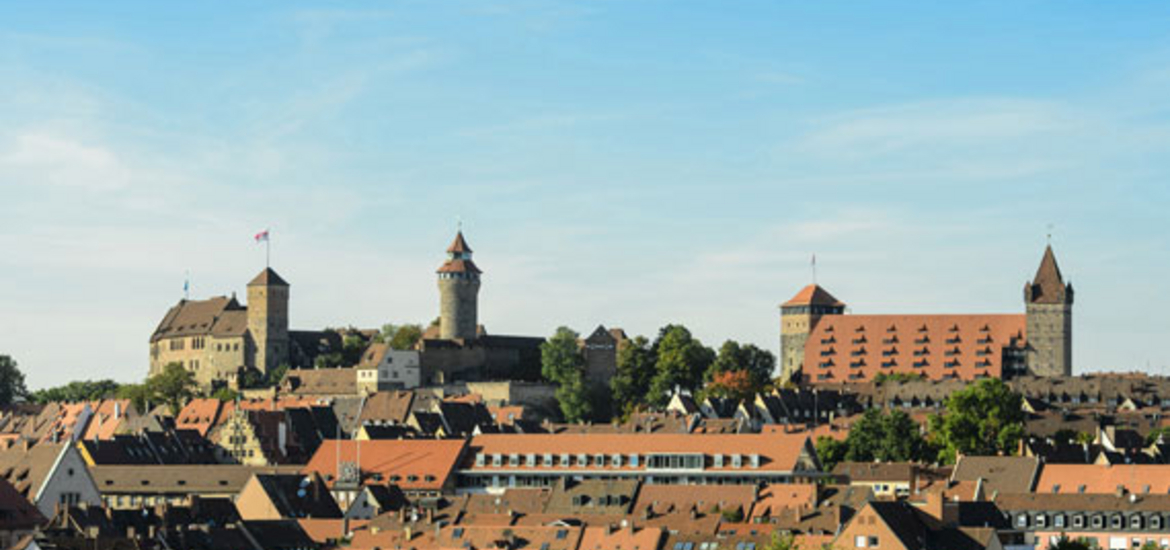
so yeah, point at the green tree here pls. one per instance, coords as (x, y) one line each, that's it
(733, 357)
(78, 390)
(11, 381)
(225, 394)
(352, 348)
(1065, 543)
(406, 337)
(782, 540)
(635, 370)
(830, 451)
(562, 363)
(275, 375)
(985, 418)
(888, 437)
(682, 360)
(173, 386)
(138, 394)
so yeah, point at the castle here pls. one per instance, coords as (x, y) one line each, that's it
(821, 344)
(458, 348)
(219, 338)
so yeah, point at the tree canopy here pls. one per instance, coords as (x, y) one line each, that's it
(682, 360)
(740, 371)
(635, 370)
(173, 386)
(985, 418)
(400, 337)
(563, 364)
(78, 390)
(11, 381)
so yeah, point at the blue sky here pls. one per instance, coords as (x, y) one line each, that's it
(627, 163)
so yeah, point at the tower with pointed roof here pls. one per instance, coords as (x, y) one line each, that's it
(458, 293)
(798, 317)
(1049, 302)
(268, 319)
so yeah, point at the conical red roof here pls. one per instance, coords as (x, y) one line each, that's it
(459, 245)
(813, 295)
(1048, 285)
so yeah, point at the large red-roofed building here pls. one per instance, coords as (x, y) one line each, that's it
(822, 344)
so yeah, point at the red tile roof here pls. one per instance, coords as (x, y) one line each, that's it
(856, 348)
(1097, 479)
(458, 266)
(778, 497)
(459, 245)
(813, 295)
(411, 464)
(777, 452)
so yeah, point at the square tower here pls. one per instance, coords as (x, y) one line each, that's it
(798, 318)
(1049, 325)
(268, 320)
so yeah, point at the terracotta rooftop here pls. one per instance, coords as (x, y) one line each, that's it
(776, 452)
(459, 266)
(857, 348)
(813, 295)
(412, 464)
(459, 245)
(1104, 479)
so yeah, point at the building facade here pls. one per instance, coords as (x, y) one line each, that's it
(821, 344)
(217, 338)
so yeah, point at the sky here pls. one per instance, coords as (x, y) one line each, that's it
(628, 163)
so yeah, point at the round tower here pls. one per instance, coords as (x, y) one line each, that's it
(458, 293)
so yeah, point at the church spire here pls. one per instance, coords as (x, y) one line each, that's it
(1048, 287)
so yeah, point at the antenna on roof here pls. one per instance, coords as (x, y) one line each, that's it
(187, 285)
(814, 267)
(1050, 227)
(459, 223)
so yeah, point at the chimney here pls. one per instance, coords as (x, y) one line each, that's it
(282, 438)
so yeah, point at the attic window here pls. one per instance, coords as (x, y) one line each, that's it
(145, 482)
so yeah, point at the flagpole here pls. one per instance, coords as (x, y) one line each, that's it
(267, 251)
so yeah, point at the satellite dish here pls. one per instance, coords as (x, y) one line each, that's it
(301, 493)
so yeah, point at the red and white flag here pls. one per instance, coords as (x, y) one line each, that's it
(262, 236)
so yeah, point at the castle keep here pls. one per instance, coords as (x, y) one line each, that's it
(822, 344)
(219, 338)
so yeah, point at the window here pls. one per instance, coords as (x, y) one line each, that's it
(1058, 520)
(1022, 521)
(860, 541)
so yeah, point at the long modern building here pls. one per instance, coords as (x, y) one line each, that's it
(821, 344)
